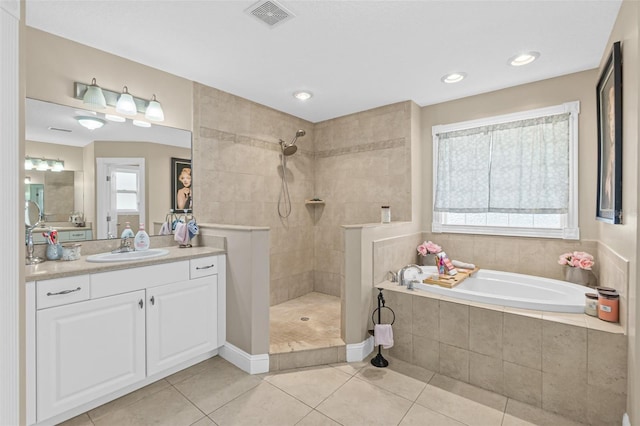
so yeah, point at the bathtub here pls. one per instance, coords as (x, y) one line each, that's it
(510, 289)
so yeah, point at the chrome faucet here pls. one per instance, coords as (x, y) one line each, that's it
(401, 273)
(125, 246)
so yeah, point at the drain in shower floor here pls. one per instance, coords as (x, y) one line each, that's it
(304, 319)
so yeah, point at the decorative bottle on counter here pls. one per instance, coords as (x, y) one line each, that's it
(127, 232)
(386, 214)
(141, 241)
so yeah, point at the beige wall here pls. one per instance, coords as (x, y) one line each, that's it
(623, 238)
(157, 172)
(54, 63)
(71, 155)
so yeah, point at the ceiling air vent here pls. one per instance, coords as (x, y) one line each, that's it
(270, 12)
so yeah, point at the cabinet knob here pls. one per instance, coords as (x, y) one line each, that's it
(141, 303)
(153, 300)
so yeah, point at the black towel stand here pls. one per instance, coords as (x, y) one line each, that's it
(379, 360)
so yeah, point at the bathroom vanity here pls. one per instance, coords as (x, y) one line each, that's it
(97, 331)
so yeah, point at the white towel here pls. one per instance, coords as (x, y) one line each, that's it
(463, 265)
(383, 335)
(181, 233)
(165, 229)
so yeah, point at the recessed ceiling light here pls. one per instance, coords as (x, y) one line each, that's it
(115, 118)
(90, 123)
(523, 59)
(454, 77)
(302, 95)
(141, 123)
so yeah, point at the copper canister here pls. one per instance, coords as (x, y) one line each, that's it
(608, 305)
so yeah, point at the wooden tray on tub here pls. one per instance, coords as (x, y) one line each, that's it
(450, 281)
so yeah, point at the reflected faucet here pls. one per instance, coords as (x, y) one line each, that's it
(125, 246)
(401, 273)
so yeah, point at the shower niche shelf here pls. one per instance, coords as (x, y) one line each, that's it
(314, 201)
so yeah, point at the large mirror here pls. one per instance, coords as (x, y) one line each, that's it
(116, 174)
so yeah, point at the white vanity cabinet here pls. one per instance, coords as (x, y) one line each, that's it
(99, 336)
(180, 322)
(88, 349)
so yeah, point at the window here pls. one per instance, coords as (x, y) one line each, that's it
(126, 190)
(513, 174)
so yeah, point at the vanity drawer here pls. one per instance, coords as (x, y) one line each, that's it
(61, 291)
(77, 236)
(203, 267)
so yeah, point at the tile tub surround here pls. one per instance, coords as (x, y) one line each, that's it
(570, 364)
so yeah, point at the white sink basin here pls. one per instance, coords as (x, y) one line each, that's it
(127, 256)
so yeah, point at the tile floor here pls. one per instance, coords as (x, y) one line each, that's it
(215, 392)
(288, 332)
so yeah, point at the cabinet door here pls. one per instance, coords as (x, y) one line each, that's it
(181, 322)
(88, 349)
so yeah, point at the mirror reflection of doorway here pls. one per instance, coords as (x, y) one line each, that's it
(120, 195)
(35, 192)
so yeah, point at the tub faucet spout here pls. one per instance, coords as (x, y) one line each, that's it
(401, 273)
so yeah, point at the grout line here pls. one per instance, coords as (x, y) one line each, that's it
(190, 402)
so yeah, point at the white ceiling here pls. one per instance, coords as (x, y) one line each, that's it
(353, 55)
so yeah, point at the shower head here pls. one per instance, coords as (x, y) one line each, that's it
(291, 148)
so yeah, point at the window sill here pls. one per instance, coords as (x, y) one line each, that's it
(563, 234)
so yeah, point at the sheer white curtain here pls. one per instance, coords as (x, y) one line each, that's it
(516, 167)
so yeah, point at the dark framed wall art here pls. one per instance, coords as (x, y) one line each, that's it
(609, 108)
(181, 184)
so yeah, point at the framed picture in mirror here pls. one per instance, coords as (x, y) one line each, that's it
(181, 182)
(609, 106)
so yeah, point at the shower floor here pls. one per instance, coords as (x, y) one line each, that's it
(289, 332)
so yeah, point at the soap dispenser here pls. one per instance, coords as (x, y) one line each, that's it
(141, 241)
(127, 232)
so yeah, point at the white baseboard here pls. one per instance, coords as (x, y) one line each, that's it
(252, 364)
(359, 351)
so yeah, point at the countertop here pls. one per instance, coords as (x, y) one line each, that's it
(61, 268)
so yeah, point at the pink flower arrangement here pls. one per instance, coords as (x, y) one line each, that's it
(577, 259)
(428, 248)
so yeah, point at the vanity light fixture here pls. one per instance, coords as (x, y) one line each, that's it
(43, 164)
(58, 166)
(154, 110)
(124, 102)
(302, 95)
(454, 77)
(126, 105)
(115, 118)
(523, 59)
(90, 123)
(28, 164)
(141, 123)
(94, 96)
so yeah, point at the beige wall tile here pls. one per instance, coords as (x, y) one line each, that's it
(565, 395)
(523, 383)
(486, 372)
(485, 332)
(564, 350)
(426, 353)
(426, 317)
(454, 324)
(402, 347)
(522, 341)
(454, 362)
(604, 407)
(607, 361)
